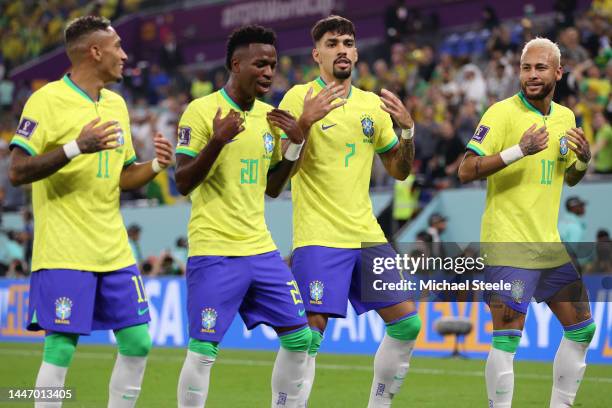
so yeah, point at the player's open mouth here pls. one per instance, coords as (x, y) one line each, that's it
(343, 63)
(264, 86)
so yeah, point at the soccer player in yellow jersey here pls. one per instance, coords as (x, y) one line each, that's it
(74, 145)
(229, 156)
(332, 212)
(526, 146)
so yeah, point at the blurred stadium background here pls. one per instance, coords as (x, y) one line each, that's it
(447, 59)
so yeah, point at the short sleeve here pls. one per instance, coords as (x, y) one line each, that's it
(129, 153)
(32, 133)
(293, 102)
(384, 137)
(489, 136)
(193, 131)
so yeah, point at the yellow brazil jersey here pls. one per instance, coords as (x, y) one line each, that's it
(331, 202)
(76, 210)
(227, 215)
(522, 204)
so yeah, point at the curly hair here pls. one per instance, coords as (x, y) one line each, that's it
(243, 36)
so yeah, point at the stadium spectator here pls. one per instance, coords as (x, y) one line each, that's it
(489, 18)
(437, 226)
(572, 226)
(572, 52)
(472, 85)
(396, 21)
(170, 55)
(201, 86)
(448, 154)
(134, 241)
(602, 150)
(603, 254)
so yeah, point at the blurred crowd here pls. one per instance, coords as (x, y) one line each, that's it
(447, 81)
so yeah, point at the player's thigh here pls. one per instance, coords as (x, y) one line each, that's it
(571, 304)
(371, 291)
(273, 298)
(216, 286)
(323, 275)
(509, 304)
(62, 300)
(121, 300)
(318, 320)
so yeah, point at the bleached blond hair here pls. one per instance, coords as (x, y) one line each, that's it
(543, 43)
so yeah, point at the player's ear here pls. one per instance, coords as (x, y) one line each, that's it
(316, 56)
(96, 52)
(235, 65)
(356, 55)
(559, 73)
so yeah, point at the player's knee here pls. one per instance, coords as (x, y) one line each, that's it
(205, 348)
(405, 329)
(315, 342)
(506, 340)
(134, 341)
(581, 335)
(59, 349)
(297, 341)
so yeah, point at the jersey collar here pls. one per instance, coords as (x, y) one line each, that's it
(232, 103)
(78, 90)
(319, 81)
(533, 108)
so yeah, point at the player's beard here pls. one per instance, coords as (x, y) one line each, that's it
(338, 74)
(547, 88)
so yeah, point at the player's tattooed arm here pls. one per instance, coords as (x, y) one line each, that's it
(278, 177)
(474, 167)
(25, 169)
(398, 160)
(579, 145)
(137, 175)
(190, 172)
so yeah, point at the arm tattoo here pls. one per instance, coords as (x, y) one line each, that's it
(478, 163)
(405, 156)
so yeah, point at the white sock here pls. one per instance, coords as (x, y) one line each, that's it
(309, 377)
(194, 380)
(499, 375)
(390, 367)
(288, 378)
(568, 370)
(125, 381)
(50, 375)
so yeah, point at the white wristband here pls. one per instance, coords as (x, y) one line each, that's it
(293, 151)
(408, 133)
(156, 166)
(71, 149)
(512, 154)
(581, 166)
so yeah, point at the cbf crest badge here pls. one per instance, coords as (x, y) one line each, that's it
(367, 126)
(63, 310)
(563, 146)
(517, 290)
(209, 320)
(316, 292)
(268, 141)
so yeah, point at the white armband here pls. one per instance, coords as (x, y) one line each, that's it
(156, 166)
(408, 133)
(71, 149)
(512, 154)
(293, 151)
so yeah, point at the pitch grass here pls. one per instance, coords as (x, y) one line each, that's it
(242, 378)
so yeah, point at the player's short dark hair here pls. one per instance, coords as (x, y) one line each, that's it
(334, 24)
(82, 26)
(243, 36)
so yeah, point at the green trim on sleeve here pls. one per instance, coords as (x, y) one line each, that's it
(20, 143)
(184, 150)
(129, 161)
(388, 147)
(284, 136)
(475, 149)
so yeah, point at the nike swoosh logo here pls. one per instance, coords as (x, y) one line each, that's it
(501, 392)
(142, 311)
(323, 127)
(301, 312)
